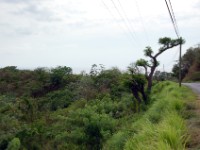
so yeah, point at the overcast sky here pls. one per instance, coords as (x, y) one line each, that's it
(79, 33)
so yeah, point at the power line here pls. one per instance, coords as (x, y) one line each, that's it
(129, 22)
(123, 19)
(128, 35)
(141, 19)
(126, 17)
(172, 19)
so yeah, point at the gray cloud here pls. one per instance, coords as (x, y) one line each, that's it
(38, 13)
(188, 17)
(197, 5)
(19, 1)
(84, 24)
(10, 30)
(23, 31)
(37, 10)
(33, 9)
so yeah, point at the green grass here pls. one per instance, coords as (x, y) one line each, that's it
(163, 126)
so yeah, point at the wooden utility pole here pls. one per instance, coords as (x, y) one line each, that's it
(180, 63)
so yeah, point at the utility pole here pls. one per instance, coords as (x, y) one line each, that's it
(180, 63)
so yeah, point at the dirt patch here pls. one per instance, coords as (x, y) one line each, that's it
(193, 123)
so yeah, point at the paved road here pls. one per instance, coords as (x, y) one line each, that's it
(194, 86)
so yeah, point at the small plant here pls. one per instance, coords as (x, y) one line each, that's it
(14, 144)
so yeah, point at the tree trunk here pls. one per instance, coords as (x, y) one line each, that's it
(150, 77)
(135, 94)
(144, 96)
(149, 85)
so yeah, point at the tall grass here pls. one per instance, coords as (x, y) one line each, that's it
(163, 126)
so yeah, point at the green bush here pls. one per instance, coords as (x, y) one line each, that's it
(162, 127)
(117, 141)
(14, 144)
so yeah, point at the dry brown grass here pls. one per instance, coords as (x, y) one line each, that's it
(193, 73)
(194, 125)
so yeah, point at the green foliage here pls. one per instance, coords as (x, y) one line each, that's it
(148, 51)
(60, 75)
(55, 109)
(167, 43)
(142, 62)
(117, 141)
(162, 127)
(9, 123)
(59, 99)
(93, 137)
(165, 40)
(108, 81)
(35, 83)
(86, 88)
(84, 124)
(86, 127)
(195, 76)
(136, 83)
(14, 144)
(140, 79)
(190, 65)
(96, 70)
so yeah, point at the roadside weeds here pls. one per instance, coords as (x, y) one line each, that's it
(193, 123)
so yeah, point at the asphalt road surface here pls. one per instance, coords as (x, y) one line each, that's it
(194, 86)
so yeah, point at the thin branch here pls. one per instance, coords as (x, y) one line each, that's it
(162, 49)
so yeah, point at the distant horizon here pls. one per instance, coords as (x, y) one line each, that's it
(74, 70)
(78, 70)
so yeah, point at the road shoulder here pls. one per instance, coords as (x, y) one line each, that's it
(193, 122)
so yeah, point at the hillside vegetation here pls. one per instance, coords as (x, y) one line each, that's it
(56, 109)
(190, 65)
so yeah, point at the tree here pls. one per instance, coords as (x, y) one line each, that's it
(184, 70)
(190, 65)
(59, 76)
(94, 137)
(136, 81)
(166, 43)
(137, 86)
